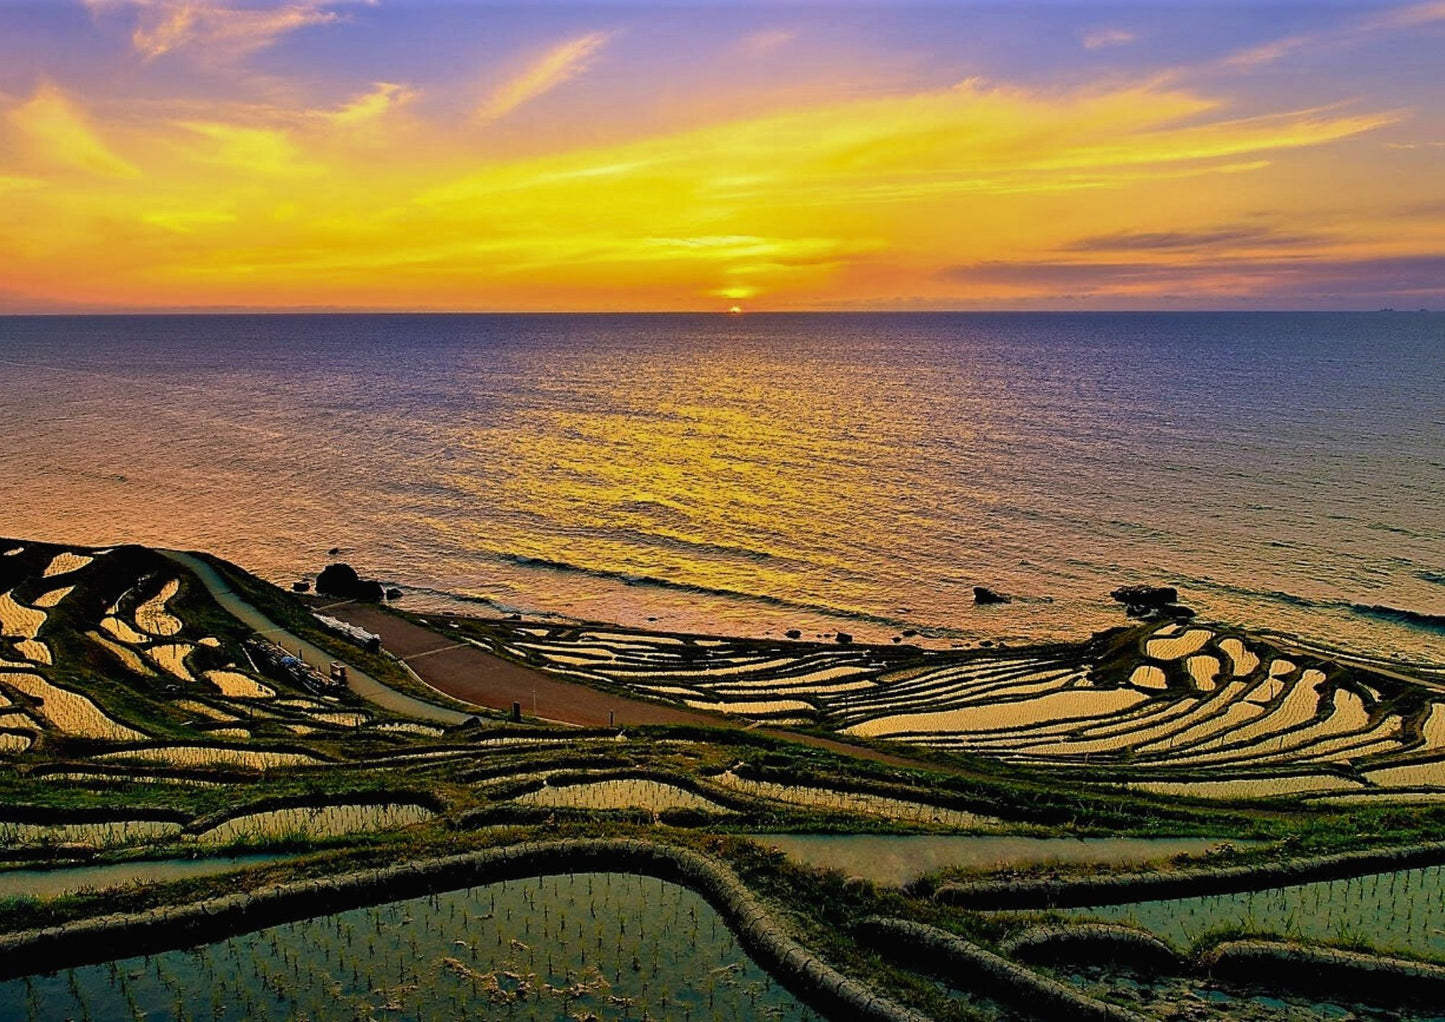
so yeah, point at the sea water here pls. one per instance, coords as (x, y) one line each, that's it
(748, 474)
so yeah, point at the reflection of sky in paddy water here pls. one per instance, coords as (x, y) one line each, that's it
(615, 945)
(757, 473)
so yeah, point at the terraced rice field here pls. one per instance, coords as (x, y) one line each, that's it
(1191, 710)
(213, 756)
(68, 712)
(861, 803)
(590, 945)
(621, 793)
(314, 822)
(1399, 911)
(108, 834)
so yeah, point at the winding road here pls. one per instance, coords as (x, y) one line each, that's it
(359, 681)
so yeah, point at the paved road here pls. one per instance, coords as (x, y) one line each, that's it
(360, 682)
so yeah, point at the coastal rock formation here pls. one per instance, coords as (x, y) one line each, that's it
(1151, 601)
(983, 596)
(341, 580)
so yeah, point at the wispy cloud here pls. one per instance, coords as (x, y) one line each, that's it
(1178, 241)
(1345, 34)
(382, 99)
(164, 26)
(1364, 279)
(557, 66)
(758, 43)
(58, 134)
(1100, 38)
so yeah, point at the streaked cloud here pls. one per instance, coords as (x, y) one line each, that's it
(1350, 32)
(1365, 279)
(211, 26)
(554, 68)
(1100, 38)
(383, 98)
(1149, 241)
(55, 132)
(755, 44)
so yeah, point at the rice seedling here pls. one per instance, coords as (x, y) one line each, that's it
(1073, 705)
(580, 946)
(235, 685)
(1176, 647)
(65, 563)
(52, 598)
(125, 655)
(35, 651)
(1242, 661)
(69, 712)
(102, 834)
(1249, 787)
(122, 632)
(191, 756)
(153, 617)
(12, 744)
(619, 793)
(862, 803)
(203, 710)
(312, 823)
(18, 621)
(1395, 911)
(172, 658)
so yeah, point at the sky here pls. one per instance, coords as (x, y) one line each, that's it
(174, 155)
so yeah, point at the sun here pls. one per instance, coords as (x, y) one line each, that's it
(736, 310)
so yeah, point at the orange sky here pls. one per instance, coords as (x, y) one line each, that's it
(182, 154)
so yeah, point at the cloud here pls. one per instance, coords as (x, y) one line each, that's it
(759, 43)
(1364, 279)
(557, 66)
(164, 26)
(1349, 33)
(59, 135)
(383, 98)
(1101, 38)
(1153, 241)
(262, 151)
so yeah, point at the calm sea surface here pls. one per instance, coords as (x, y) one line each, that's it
(750, 474)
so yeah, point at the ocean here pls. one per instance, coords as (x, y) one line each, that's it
(755, 473)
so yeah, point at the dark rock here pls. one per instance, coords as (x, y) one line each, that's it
(300, 587)
(909, 633)
(986, 642)
(333, 551)
(1176, 610)
(393, 593)
(1150, 597)
(844, 637)
(897, 638)
(985, 597)
(341, 580)
(514, 617)
(793, 633)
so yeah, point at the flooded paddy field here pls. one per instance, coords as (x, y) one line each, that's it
(52, 883)
(898, 859)
(1399, 911)
(601, 945)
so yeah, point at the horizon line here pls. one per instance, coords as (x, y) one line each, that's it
(721, 313)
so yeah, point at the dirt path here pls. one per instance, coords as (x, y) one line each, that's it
(473, 675)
